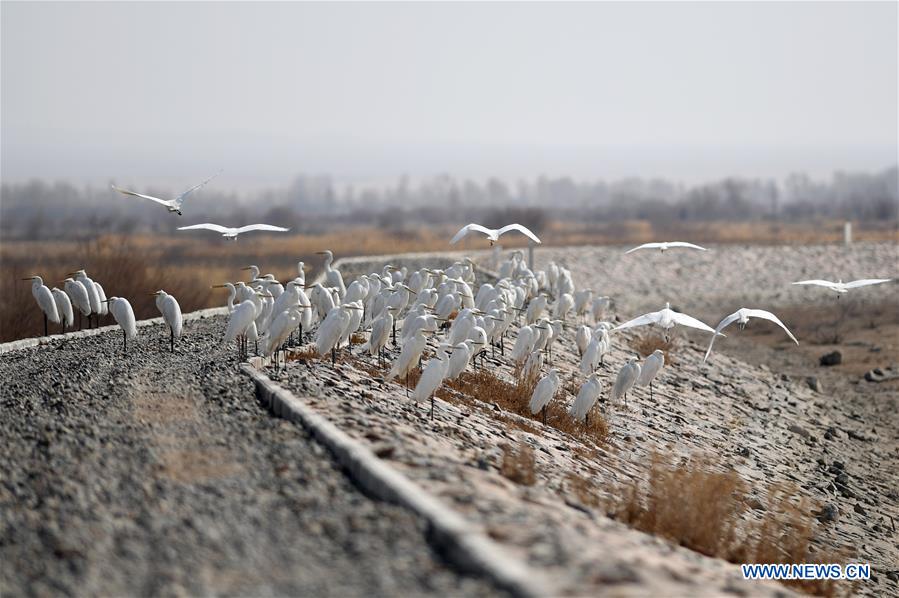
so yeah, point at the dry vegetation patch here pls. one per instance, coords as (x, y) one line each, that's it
(519, 464)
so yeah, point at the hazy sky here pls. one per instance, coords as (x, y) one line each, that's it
(162, 92)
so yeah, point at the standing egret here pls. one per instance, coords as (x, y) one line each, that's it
(582, 338)
(254, 271)
(45, 300)
(742, 316)
(666, 319)
(78, 294)
(432, 377)
(104, 306)
(332, 329)
(627, 377)
(231, 233)
(171, 314)
(545, 390)
(380, 333)
(650, 369)
(124, 316)
(333, 277)
(586, 399)
(172, 205)
(243, 316)
(92, 295)
(667, 245)
(409, 356)
(493, 235)
(64, 308)
(280, 329)
(459, 361)
(524, 343)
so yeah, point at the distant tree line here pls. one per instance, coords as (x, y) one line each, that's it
(39, 209)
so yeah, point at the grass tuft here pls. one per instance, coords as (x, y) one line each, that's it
(519, 464)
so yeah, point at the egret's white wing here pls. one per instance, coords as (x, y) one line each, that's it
(685, 320)
(249, 227)
(150, 197)
(721, 326)
(181, 197)
(684, 244)
(522, 229)
(644, 320)
(644, 246)
(865, 282)
(821, 283)
(767, 315)
(467, 229)
(206, 225)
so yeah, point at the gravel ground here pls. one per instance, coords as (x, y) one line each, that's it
(159, 474)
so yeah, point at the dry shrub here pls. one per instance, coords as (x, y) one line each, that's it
(647, 344)
(582, 489)
(306, 353)
(487, 387)
(705, 510)
(357, 338)
(519, 464)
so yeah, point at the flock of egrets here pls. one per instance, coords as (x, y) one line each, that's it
(410, 307)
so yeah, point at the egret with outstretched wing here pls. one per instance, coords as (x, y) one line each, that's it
(493, 234)
(742, 316)
(173, 205)
(231, 233)
(666, 319)
(667, 245)
(841, 287)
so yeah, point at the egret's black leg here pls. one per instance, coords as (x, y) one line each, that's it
(333, 355)
(432, 407)
(650, 391)
(125, 342)
(45, 324)
(172, 339)
(544, 415)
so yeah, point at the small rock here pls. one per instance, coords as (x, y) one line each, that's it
(858, 509)
(753, 502)
(797, 429)
(827, 514)
(814, 383)
(832, 358)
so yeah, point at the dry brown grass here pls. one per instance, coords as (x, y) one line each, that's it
(705, 509)
(646, 344)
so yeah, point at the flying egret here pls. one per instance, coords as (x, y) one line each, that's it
(742, 316)
(841, 287)
(651, 367)
(78, 294)
(586, 399)
(627, 377)
(666, 319)
(493, 234)
(667, 245)
(173, 205)
(231, 233)
(543, 393)
(333, 277)
(45, 300)
(64, 308)
(432, 377)
(171, 314)
(124, 316)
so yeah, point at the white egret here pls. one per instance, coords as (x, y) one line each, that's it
(322, 301)
(564, 305)
(92, 294)
(841, 287)
(543, 393)
(667, 245)
(536, 307)
(380, 333)
(124, 316)
(627, 377)
(409, 356)
(651, 367)
(243, 316)
(171, 314)
(460, 359)
(333, 277)
(600, 308)
(254, 271)
(666, 319)
(78, 294)
(432, 377)
(493, 234)
(64, 308)
(231, 233)
(104, 306)
(45, 300)
(586, 398)
(172, 205)
(524, 343)
(281, 328)
(356, 310)
(332, 329)
(534, 364)
(582, 339)
(741, 316)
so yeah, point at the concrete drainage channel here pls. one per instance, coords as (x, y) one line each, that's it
(464, 545)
